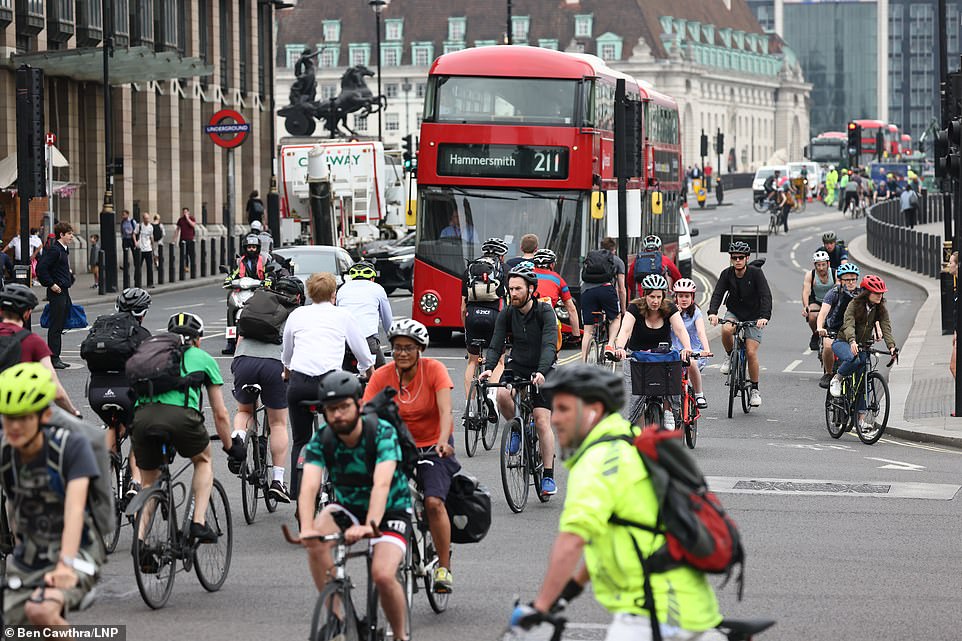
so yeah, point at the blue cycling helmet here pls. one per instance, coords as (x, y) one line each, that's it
(846, 268)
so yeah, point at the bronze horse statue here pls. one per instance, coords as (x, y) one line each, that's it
(355, 97)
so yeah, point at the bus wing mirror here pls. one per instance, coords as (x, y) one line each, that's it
(597, 205)
(656, 202)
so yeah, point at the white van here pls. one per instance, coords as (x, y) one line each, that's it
(758, 183)
(685, 234)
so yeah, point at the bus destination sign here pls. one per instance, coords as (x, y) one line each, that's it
(503, 161)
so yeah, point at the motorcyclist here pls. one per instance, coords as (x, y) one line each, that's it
(250, 264)
(267, 241)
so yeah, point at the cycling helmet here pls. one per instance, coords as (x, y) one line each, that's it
(685, 285)
(494, 247)
(654, 281)
(846, 268)
(588, 383)
(362, 270)
(337, 385)
(133, 300)
(544, 258)
(410, 329)
(651, 243)
(17, 298)
(289, 286)
(874, 284)
(526, 271)
(829, 237)
(186, 324)
(821, 256)
(257, 226)
(26, 388)
(739, 247)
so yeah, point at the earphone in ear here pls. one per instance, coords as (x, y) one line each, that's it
(591, 416)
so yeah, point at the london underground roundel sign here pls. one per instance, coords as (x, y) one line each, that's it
(224, 123)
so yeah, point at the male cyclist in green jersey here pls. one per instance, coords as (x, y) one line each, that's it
(606, 480)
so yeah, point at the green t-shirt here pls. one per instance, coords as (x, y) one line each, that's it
(610, 478)
(195, 360)
(353, 460)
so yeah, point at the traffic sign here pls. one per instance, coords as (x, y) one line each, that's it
(218, 126)
(51, 138)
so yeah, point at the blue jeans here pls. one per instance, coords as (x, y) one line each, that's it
(848, 363)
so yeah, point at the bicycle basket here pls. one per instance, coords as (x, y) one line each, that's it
(656, 378)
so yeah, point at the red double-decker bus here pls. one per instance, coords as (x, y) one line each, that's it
(519, 140)
(870, 131)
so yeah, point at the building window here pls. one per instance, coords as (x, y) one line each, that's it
(328, 92)
(583, 26)
(166, 25)
(292, 53)
(360, 123)
(451, 47)
(394, 29)
(225, 43)
(390, 90)
(359, 54)
(89, 21)
(142, 23)
(485, 43)
(331, 30)
(392, 122)
(548, 43)
(609, 47)
(328, 57)
(457, 27)
(519, 28)
(419, 89)
(391, 56)
(422, 54)
(243, 44)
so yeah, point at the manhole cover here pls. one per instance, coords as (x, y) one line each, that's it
(796, 486)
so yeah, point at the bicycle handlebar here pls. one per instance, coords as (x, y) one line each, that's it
(336, 536)
(738, 324)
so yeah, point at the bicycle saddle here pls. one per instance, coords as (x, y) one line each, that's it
(746, 626)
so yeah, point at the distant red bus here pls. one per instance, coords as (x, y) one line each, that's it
(870, 131)
(906, 146)
(519, 140)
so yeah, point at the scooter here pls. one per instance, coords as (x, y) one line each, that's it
(241, 291)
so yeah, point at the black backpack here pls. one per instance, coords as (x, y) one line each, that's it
(599, 267)
(469, 509)
(112, 339)
(157, 366)
(10, 348)
(483, 280)
(263, 316)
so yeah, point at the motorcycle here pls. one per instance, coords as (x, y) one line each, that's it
(241, 291)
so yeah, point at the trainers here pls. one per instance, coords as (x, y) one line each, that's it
(835, 387)
(825, 381)
(443, 581)
(548, 486)
(725, 367)
(202, 533)
(279, 492)
(668, 422)
(866, 427)
(133, 490)
(492, 411)
(148, 561)
(236, 454)
(813, 343)
(755, 400)
(701, 401)
(514, 445)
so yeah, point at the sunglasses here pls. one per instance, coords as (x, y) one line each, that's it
(736, 257)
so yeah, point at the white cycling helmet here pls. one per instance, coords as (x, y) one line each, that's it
(685, 285)
(654, 281)
(821, 256)
(412, 329)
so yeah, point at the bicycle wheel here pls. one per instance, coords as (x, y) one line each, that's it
(654, 415)
(153, 550)
(116, 484)
(438, 602)
(267, 467)
(759, 205)
(514, 468)
(472, 418)
(536, 463)
(876, 410)
(249, 475)
(489, 430)
(212, 560)
(732, 381)
(743, 383)
(835, 417)
(591, 356)
(334, 616)
(773, 225)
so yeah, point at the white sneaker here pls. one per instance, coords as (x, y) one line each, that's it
(755, 399)
(669, 421)
(866, 427)
(835, 387)
(725, 367)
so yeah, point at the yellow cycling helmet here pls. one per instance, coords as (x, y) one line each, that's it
(362, 270)
(26, 388)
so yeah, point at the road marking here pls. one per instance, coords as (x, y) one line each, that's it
(815, 487)
(792, 255)
(921, 446)
(190, 306)
(896, 465)
(791, 366)
(815, 447)
(569, 359)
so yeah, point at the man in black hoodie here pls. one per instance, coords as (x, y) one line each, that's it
(53, 271)
(748, 299)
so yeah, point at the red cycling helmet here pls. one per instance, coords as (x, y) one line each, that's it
(874, 284)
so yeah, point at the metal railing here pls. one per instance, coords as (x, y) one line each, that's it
(889, 238)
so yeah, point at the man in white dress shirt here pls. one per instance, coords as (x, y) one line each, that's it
(368, 303)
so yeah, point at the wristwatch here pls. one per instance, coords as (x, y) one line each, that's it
(78, 565)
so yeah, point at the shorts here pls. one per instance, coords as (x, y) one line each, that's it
(395, 525)
(598, 299)
(15, 600)
(754, 333)
(479, 325)
(434, 473)
(538, 399)
(265, 372)
(111, 389)
(184, 427)
(637, 627)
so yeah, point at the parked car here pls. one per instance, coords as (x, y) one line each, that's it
(308, 259)
(686, 232)
(394, 260)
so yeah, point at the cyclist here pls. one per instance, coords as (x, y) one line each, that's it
(747, 296)
(53, 540)
(259, 362)
(528, 246)
(368, 303)
(16, 306)
(177, 415)
(482, 291)
(362, 495)
(785, 201)
(534, 350)
(771, 183)
(816, 283)
(112, 388)
(650, 261)
(858, 327)
(832, 312)
(608, 296)
(552, 287)
(837, 254)
(607, 480)
(695, 324)
(853, 191)
(424, 402)
(651, 321)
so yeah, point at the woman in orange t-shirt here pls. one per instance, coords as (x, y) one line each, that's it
(424, 402)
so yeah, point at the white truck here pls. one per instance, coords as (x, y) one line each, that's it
(368, 185)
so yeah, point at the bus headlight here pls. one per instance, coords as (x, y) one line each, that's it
(429, 302)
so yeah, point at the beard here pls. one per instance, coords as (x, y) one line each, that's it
(344, 427)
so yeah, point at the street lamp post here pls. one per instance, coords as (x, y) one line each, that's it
(107, 216)
(406, 88)
(378, 7)
(273, 197)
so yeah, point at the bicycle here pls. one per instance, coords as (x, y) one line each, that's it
(480, 415)
(738, 383)
(760, 203)
(774, 218)
(160, 542)
(666, 378)
(841, 413)
(335, 617)
(120, 473)
(422, 557)
(255, 472)
(521, 469)
(689, 405)
(599, 342)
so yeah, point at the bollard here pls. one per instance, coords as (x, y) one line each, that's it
(160, 263)
(126, 268)
(102, 279)
(172, 263)
(182, 263)
(947, 296)
(203, 260)
(213, 257)
(223, 251)
(137, 265)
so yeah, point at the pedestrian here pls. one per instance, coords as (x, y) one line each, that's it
(127, 226)
(36, 249)
(54, 273)
(93, 259)
(144, 237)
(529, 245)
(254, 207)
(186, 228)
(910, 201)
(159, 234)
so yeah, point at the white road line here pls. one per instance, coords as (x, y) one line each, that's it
(896, 465)
(189, 306)
(920, 446)
(791, 367)
(792, 255)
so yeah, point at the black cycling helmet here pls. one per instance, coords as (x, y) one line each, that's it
(289, 286)
(133, 300)
(526, 271)
(739, 247)
(186, 324)
(589, 383)
(829, 237)
(544, 258)
(494, 247)
(17, 298)
(338, 385)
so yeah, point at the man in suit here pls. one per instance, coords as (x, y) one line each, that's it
(54, 273)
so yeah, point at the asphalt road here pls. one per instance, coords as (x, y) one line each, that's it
(846, 560)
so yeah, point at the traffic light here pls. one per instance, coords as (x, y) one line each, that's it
(408, 152)
(854, 143)
(31, 165)
(948, 155)
(719, 143)
(879, 145)
(704, 144)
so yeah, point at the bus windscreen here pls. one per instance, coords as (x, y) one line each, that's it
(530, 101)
